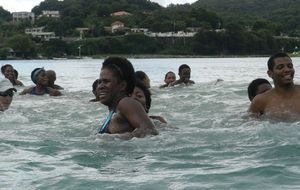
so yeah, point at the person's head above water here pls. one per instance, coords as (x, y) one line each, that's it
(117, 79)
(38, 76)
(142, 94)
(143, 77)
(51, 76)
(8, 71)
(258, 86)
(281, 69)
(271, 61)
(6, 94)
(95, 91)
(170, 77)
(94, 86)
(184, 72)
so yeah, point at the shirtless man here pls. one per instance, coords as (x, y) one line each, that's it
(184, 73)
(126, 115)
(283, 101)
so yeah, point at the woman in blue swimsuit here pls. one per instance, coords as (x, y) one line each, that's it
(116, 84)
(39, 77)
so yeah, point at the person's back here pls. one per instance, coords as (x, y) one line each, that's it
(283, 100)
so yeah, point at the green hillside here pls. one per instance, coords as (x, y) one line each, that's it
(284, 12)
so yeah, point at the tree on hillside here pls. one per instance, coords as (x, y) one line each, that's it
(22, 45)
(5, 15)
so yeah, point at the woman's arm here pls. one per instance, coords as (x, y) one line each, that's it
(137, 117)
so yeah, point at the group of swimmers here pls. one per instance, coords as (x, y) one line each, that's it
(127, 96)
(43, 80)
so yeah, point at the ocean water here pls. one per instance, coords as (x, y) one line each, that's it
(50, 142)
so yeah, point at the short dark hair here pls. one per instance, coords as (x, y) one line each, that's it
(140, 75)
(168, 73)
(184, 66)
(95, 84)
(146, 92)
(123, 69)
(4, 67)
(273, 57)
(252, 88)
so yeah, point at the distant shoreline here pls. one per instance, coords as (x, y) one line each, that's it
(148, 56)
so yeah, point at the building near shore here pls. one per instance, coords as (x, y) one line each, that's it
(23, 16)
(50, 14)
(39, 33)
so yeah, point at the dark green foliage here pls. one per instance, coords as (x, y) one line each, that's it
(129, 44)
(54, 48)
(5, 15)
(22, 45)
(285, 13)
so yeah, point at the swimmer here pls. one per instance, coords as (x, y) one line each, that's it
(94, 90)
(126, 115)
(11, 74)
(143, 95)
(169, 78)
(6, 94)
(184, 73)
(283, 100)
(51, 79)
(258, 86)
(143, 77)
(39, 77)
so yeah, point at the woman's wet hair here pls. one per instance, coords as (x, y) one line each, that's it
(273, 57)
(3, 68)
(146, 92)
(253, 86)
(184, 66)
(123, 69)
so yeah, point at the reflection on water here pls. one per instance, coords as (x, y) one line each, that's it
(50, 143)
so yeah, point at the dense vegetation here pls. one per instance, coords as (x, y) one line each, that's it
(225, 28)
(285, 13)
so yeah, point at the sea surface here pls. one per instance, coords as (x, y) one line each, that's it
(210, 143)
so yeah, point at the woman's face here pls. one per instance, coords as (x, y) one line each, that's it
(170, 78)
(139, 95)
(9, 73)
(42, 78)
(109, 87)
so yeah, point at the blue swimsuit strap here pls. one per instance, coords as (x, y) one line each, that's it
(33, 91)
(104, 128)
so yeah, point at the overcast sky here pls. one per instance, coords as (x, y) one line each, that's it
(27, 5)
